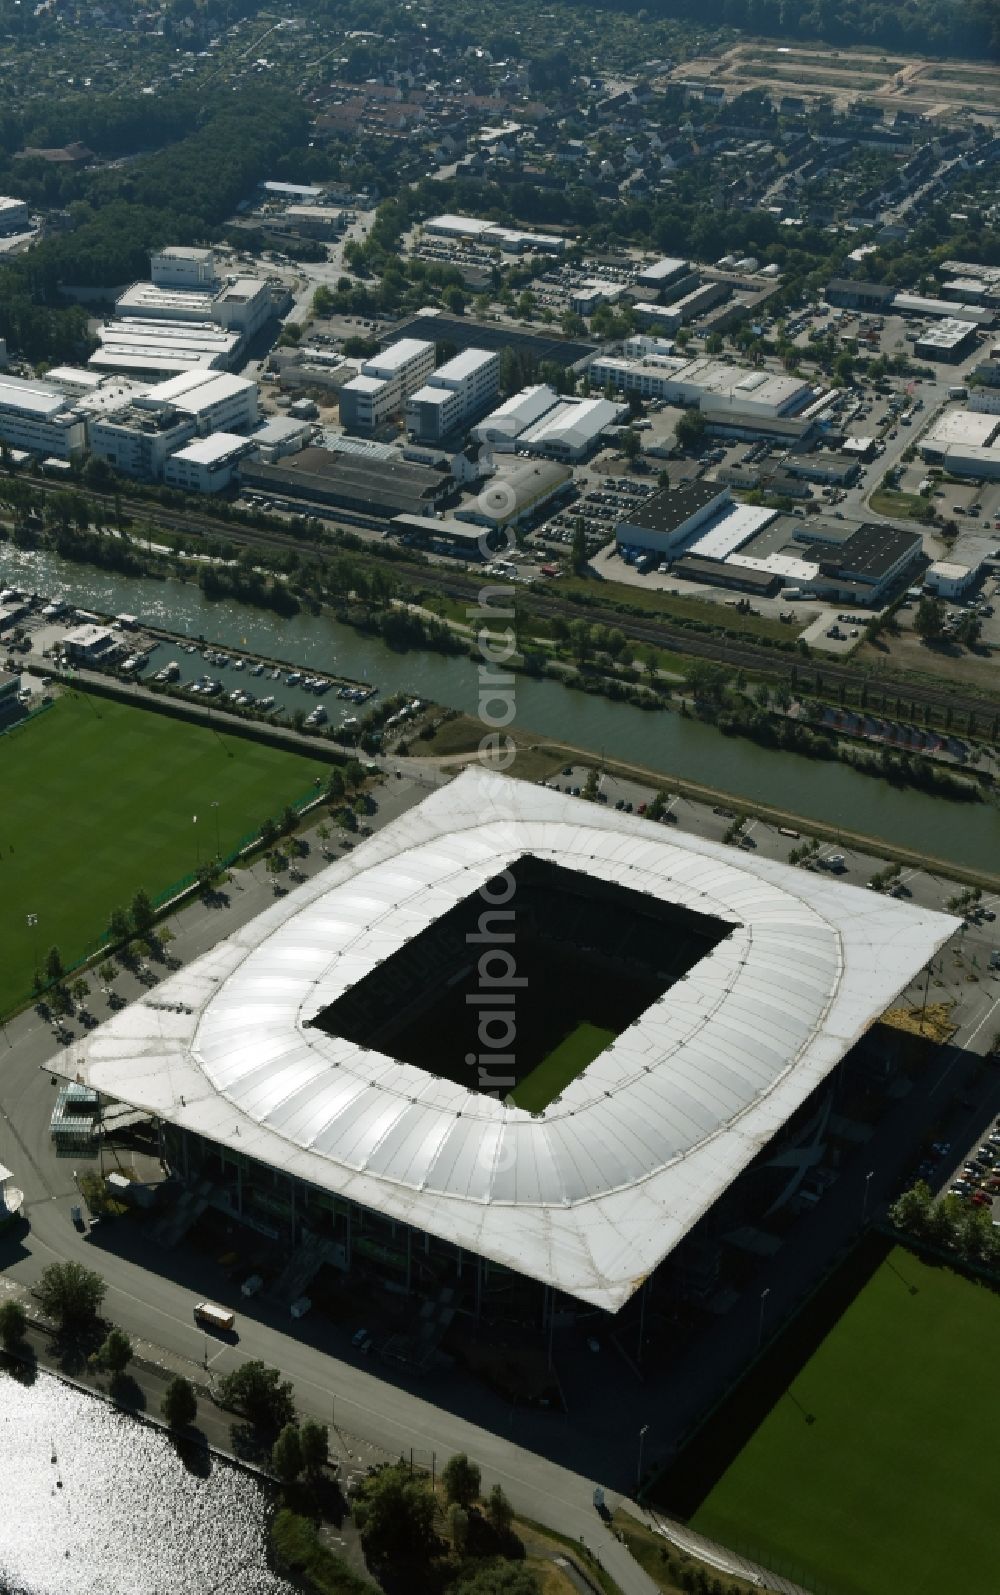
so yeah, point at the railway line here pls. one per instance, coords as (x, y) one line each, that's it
(739, 655)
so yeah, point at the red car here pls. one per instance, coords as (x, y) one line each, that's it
(980, 1199)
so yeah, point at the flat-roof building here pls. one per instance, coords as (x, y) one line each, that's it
(40, 418)
(659, 273)
(206, 465)
(15, 215)
(180, 266)
(369, 489)
(384, 383)
(455, 394)
(489, 235)
(951, 341)
(665, 521)
(147, 347)
(516, 491)
(139, 437)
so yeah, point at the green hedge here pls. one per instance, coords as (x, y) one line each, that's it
(297, 1549)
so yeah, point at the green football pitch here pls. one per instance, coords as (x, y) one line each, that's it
(874, 1473)
(97, 800)
(562, 1065)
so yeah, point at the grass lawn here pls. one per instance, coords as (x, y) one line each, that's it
(884, 501)
(864, 1477)
(562, 1065)
(98, 801)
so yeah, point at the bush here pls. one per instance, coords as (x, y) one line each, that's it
(297, 1550)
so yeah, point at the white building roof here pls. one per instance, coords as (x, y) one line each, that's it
(391, 360)
(464, 364)
(164, 302)
(731, 530)
(430, 395)
(659, 270)
(31, 398)
(519, 411)
(213, 450)
(575, 422)
(197, 391)
(590, 1195)
(73, 378)
(970, 427)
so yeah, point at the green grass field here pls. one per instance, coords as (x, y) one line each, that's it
(98, 801)
(875, 1473)
(562, 1065)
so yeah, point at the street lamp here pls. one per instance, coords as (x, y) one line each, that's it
(864, 1203)
(765, 1293)
(638, 1467)
(218, 849)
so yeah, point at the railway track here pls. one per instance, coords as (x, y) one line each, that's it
(677, 639)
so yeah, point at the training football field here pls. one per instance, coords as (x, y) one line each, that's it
(97, 800)
(874, 1473)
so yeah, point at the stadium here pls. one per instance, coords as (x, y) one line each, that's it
(512, 1038)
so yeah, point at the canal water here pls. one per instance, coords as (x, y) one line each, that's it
(964, 834)
(98, 1502)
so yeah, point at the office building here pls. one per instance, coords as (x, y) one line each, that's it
(453, 395)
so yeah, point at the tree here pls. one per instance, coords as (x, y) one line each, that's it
(929, 620)
(116, 1352)
(690, 429)
(80, 989)
(499, 1511)
(286, 1454)
(315, 1441)
(395, 1516)
(107, 971)
(268, 832)
(71, 1294)
(180, 1404)
(13, 1323)
(53, 964)
(143, 913)
(632, 445)
(578, 549)
(461, 1479)
(119, 925)
(335, 786)
(260, 1394)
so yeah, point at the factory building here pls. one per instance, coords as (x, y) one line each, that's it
(177, 266)
(15, 215)
(206, 465)
(665, 521)
(138, 439)
(488, 235)
(455, 394)
(951, 341)
(659, 274)
(40, 418)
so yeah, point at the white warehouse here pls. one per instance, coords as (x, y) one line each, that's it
(453, 395)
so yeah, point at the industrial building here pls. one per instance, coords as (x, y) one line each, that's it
(488, 235)
(850, 293)
(206, 465)
(15, 215)
(353, 485)
(959, 429)
(158, 349)
(40, 418)
(571, 429)
(315, 221)
(299, 1073)
(455, 394)
(665, 521)
(659, 274)
(502, 429)
(138, 438)
(950, 341)
(720, 390)
(384, 383)
(968, 558)
(516, 491)
(179, 266)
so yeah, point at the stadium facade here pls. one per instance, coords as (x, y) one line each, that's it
(313, 1072)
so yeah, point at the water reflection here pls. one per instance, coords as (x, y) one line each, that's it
(99, 1502)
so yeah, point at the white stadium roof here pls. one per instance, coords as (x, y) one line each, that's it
(591, 1194)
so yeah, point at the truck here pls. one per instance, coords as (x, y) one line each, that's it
(958, 392)
(645, 563)
(787, 593)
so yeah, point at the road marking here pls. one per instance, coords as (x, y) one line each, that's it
(994, 1005)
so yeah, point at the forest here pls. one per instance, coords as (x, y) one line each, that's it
(181, 194)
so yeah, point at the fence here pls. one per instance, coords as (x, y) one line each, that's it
(25, 719)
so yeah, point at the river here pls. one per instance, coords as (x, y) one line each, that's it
(963, 834)
(97, 1501)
